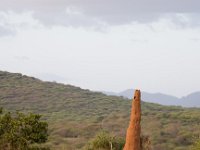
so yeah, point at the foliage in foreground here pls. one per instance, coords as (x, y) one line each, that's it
(196, 145)
(19, 131)
(105, 141)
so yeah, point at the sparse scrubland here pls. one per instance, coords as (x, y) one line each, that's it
(79, 119)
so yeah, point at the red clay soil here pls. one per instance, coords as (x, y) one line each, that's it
(134, 129)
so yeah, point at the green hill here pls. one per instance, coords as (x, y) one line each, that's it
(76, 115)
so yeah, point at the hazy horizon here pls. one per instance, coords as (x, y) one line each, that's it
(104, 46)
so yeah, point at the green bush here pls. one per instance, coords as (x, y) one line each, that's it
(104, 141)
(196, 145)
(18, 131)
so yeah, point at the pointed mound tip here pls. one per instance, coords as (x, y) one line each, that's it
(137, 94)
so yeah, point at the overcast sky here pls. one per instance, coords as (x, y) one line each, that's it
(104, 45)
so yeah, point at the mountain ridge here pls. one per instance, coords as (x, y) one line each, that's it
(190, 100)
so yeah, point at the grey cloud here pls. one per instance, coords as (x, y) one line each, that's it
(4, 31)
(98, 11)
(184, 19)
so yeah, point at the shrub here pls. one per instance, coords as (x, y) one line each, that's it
(104, 141)
(18, 131)
(196, 145)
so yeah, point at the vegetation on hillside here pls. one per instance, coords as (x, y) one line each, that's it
(196, 145)
(22, 132)
(75, 116)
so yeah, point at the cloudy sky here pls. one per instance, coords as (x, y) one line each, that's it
(108, 45)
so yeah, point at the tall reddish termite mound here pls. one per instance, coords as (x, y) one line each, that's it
(134, 129)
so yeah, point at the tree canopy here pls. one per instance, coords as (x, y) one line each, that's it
(20, 131)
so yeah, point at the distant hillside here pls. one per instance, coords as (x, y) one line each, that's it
(192, 100)
(76, 115)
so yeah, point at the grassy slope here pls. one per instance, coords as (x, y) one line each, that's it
(76, 115)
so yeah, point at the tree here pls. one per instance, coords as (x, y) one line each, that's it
(18, 131)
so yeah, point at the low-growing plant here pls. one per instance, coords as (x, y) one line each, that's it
(105, 141)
